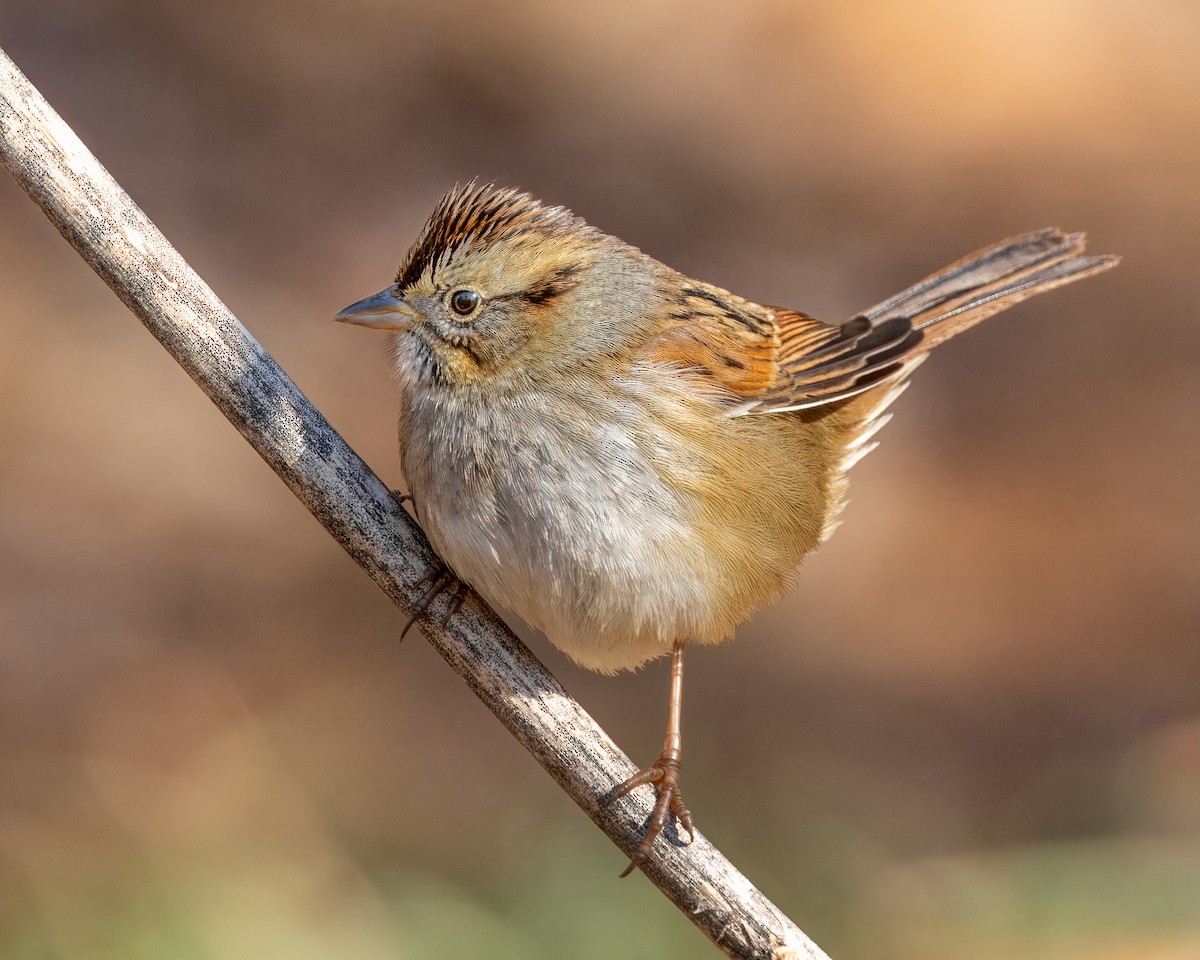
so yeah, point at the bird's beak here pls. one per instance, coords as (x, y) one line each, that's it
(385, 310)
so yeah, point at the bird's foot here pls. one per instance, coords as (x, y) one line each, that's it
(664, 777)
(441, 578)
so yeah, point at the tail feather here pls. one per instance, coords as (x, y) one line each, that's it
(974, 288)
(943, 305)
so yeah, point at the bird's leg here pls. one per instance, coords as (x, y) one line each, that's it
(403, 498)
(441, 578)
(664, 774)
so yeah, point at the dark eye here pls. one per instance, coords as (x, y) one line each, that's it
(465, 302)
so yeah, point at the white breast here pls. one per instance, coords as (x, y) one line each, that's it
(556, 511)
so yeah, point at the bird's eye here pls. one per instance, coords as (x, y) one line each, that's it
(465, 302)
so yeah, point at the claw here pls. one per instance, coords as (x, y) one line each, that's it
(664, 777)
(442, 579)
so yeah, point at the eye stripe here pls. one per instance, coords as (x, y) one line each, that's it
(553, 287)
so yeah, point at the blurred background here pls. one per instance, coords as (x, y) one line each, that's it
(972, 730)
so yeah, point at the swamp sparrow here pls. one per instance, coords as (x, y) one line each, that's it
(630, 459)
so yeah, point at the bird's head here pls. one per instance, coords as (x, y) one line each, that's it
(498, 281)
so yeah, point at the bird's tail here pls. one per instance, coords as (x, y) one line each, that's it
(945, 304)
(990, 280)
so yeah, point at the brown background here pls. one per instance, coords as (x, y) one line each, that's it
(973, 730)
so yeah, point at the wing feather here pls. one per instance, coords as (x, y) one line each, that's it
(772, 360)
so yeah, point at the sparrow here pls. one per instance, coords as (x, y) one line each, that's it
(632, 460)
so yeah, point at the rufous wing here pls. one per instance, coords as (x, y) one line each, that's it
(771, 360)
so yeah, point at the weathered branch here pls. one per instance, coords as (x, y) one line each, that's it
(121, 244)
